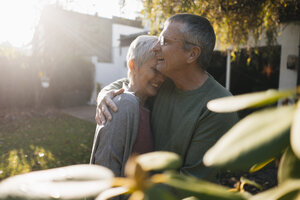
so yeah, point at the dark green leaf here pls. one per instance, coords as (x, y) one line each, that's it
(159, 160)
(72, 182)
(289, 190)
(295, 132)
(294, 195)
(256, 138)
(158, 192)
(261, 165)
(245, 181)
(112, 192)
(201, 189)
(239, 102)
(289, 166)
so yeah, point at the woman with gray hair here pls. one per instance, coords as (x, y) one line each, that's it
(130, 131)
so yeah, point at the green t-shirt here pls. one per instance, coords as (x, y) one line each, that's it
(181, 123)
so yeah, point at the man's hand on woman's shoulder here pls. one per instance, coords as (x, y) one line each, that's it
(104, 101)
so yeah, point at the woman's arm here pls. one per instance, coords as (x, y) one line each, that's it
(114, 141)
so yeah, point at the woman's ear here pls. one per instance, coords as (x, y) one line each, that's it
(194, 54)
(131, 65)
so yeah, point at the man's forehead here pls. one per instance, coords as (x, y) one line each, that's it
(164, 29)
(171, 29)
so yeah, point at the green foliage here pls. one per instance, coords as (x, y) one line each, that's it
(154, 161)
(255, 140)
(17, 78)
(79, 181)
(70, 78)
(261, 136)
(234, 21)
(72, 182)
(201, 189)
(289, 190)
(42, 140)
(295, 133)
(289, 167)
(253, 100)
(245, 181)
(159, 193)
(261, 165)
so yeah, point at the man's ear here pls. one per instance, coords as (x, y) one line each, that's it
(194, 54)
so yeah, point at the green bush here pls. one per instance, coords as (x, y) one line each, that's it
(250, 144)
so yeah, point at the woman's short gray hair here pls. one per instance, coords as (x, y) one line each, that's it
(140, 49)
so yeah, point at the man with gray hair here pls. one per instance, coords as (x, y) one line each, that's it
(180, 120)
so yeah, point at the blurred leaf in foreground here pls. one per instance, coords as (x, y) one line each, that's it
(287, 191)
(256, 138)
(159, 160)
(239, 102)
(289, 167)
(72, 182)
(261, 165)
(295, 132)
(190, 186)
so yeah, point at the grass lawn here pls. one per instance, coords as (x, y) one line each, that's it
(33, 141)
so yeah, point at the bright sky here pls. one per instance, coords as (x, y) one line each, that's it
(18, 18)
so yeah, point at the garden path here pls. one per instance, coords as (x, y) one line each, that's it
(85, 112)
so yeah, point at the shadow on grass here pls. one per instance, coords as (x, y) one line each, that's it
(43, 142)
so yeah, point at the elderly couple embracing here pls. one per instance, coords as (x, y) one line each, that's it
(162, 103)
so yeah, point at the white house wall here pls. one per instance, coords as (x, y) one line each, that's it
(109, 72)
(289, 41)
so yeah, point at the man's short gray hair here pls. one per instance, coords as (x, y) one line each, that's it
(197, 30)
(140, 49)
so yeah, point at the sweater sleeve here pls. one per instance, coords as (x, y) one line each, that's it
(114, 141)
(115, 85)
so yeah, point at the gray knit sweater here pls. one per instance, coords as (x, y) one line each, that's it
(114, 141)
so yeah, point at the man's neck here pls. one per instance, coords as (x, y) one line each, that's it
(190, 79)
